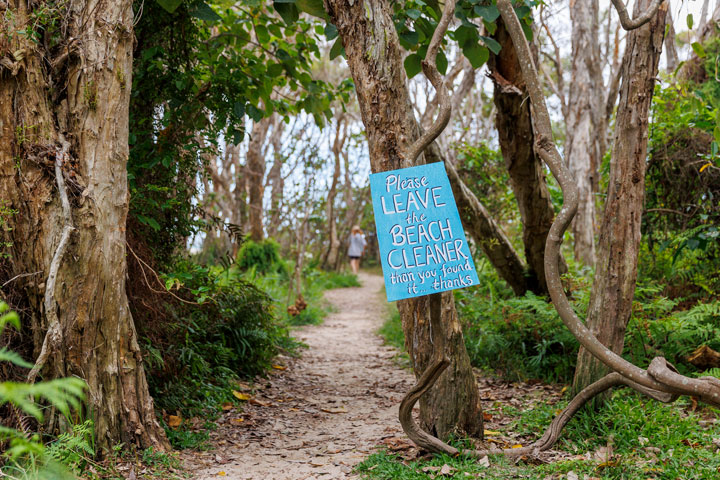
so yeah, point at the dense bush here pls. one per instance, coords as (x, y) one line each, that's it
(263, 256)
(231, 332)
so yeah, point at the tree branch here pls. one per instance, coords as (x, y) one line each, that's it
(54, 334)
(639, 21)
(430, 70)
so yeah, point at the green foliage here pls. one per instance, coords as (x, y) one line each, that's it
(263, 256)
(74, 449)
(232, 332)
(199, 73)
(25, 455)
(416, 21)
(678, 446)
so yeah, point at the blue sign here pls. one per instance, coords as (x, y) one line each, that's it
(422, 242)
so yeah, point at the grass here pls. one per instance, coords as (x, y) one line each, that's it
(649, 440)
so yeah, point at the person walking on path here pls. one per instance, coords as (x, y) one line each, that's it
(356, 249)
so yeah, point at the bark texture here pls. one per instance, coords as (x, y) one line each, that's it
(375, 61)
(255, 172)
(582, 144)
(616, 269)
(527, 177)
(330, 258)
(74, 108)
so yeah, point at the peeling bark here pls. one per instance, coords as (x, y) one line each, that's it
(527, 177)
(99, 340)
(582, 145)
(618, 247)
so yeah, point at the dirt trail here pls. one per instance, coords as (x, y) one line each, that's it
(327, 411)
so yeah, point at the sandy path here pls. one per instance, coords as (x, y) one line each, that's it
(327, 411)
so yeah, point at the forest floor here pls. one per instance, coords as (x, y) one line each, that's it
(319, 415)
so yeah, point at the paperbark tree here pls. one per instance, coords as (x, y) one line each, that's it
(527, 177)
(63, 156)
(375, 60)
(616, 269)
(582, 144)
(330, 257)
(660, 381)
(255, 172)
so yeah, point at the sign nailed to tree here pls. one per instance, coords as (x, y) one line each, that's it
(423, 249)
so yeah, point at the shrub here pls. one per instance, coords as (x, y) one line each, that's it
(263, 256)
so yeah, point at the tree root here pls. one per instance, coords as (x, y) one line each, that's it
(552, 434)
(660, 381)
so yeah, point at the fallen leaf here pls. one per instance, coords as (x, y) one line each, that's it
(487, 416)
(227, 406)
(490, 432)
(517, 446)
(238, 420)
(572, 475)
(260, 403)
(446, 469)
(241, 396)
(484, 461)
(279, 367)
(221, 474)
(174, 421)
(333, 410)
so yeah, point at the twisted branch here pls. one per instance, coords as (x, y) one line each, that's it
(54, 335)
(430, 70)
(661, 381)
(632, 24)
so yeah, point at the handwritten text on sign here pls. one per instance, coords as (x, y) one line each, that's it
(422, 243)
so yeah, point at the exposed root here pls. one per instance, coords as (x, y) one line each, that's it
(660, 381)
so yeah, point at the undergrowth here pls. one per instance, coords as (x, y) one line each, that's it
(647, 440)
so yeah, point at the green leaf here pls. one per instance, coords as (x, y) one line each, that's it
(716, 134)
(312, 7)
(689, 20)
(698, 49)
(465, 35)
(331, 31)
(169, 5)
(337, 49)
(239, 109)
(288, 11)
(410, 38)
(488, 13)
(262, 33)
(477, 54)
(237, 136)
(441, 61)
(413, 65)
(413, 13)
(492, 44)
(527, 30)
(203, 11)
(275, 70)
(14, 358)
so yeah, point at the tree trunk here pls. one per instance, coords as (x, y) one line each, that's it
(582, 144)
(671, 54)
(374, 56)
(74, 110)
(255, 171)
(616, 269)
(277, 185)
(527, 176)
(330, 259)
(487, 233)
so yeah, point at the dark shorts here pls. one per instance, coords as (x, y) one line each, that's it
(354, 258)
